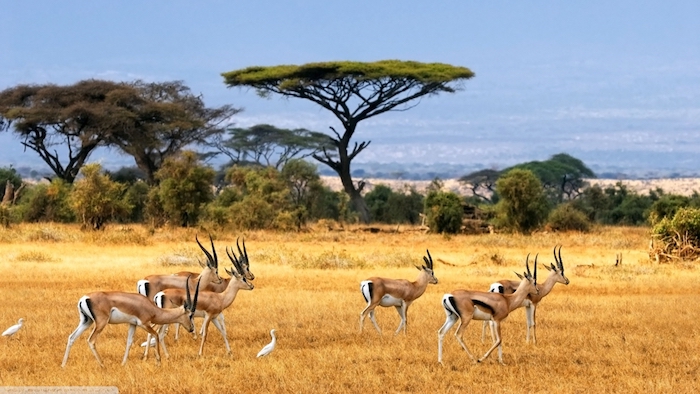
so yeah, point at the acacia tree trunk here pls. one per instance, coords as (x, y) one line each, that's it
(341, 165)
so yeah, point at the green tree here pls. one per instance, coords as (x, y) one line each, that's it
(482, 183)
(63, 124)
(352, 92)
(389, 206)
(444, 211)
(164, 118)
(562, 176)
(268, 145)
(185, 188)
(266, 201)
(667, 206)
(523, 206)
(96, 199)
(47, 203)
(304, 185)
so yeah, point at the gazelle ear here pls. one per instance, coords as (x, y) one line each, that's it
(519, 276)
(418, 268)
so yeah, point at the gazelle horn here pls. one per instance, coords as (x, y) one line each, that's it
(213, 260)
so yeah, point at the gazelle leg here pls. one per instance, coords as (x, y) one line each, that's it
(534, 324)
(84, 324)
(93, 337)
(130, 340)
(152, 333)
(458, 334)
(162, 331)
(205, 328)
(222, 330)
(496, 344)
(529, 316)
(401, 309)
(369, 309)
(449, 322)
(483, 331)
(374, 321)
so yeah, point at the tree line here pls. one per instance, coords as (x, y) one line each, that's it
(246, 195)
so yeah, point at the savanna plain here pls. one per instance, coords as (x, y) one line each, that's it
(625, 328)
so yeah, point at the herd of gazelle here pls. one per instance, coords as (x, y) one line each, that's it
(491, 307)
(166, 299)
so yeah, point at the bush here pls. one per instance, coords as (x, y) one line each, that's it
(47, 203)
(678, 237)
(523, 206)
(444, 212)
(666, 207)
(565, 217)
(96, 198)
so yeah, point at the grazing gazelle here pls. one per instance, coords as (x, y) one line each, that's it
(399, 293)
(466, 305)
(556, 275)
(116, 307)
(220, 287)
(210, 304)
(152, 284)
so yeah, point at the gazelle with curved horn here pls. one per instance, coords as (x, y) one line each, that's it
(556, 275)
(116, 307)
(210, 304)
(220, 287)
(399, 293)
(466, 305)
(152, 284)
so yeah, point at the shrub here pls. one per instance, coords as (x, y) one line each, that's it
(523, 206)
(96, 198)
(444, 212)
(565, 217)
(678, 237)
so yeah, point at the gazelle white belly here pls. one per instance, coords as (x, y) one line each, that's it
(388, 300)
(481, 315)
(118, 317)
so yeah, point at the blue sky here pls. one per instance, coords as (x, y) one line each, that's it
(615, 83)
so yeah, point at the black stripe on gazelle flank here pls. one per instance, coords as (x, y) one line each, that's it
(483, 305)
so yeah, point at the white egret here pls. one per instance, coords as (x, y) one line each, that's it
(269, 347)
(12, 330)
(153, 343)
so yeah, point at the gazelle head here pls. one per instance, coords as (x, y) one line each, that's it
(245, 263)
(531, 279)
(238, 273)
(557, 270)
(428, 268)
(190, 305)
(212, 260)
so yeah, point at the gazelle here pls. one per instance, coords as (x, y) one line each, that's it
(399, 293)
(556, 275)
(220, 287)
(152, 284)
(210, 304)
(115, 307)
(466, 305)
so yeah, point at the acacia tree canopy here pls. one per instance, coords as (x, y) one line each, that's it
(268, 145)
(352, 92)
(168, 118)
(64, 124)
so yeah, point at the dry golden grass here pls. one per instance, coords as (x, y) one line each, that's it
(631, 328)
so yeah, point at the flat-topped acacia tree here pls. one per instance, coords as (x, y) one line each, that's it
(352, 91)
